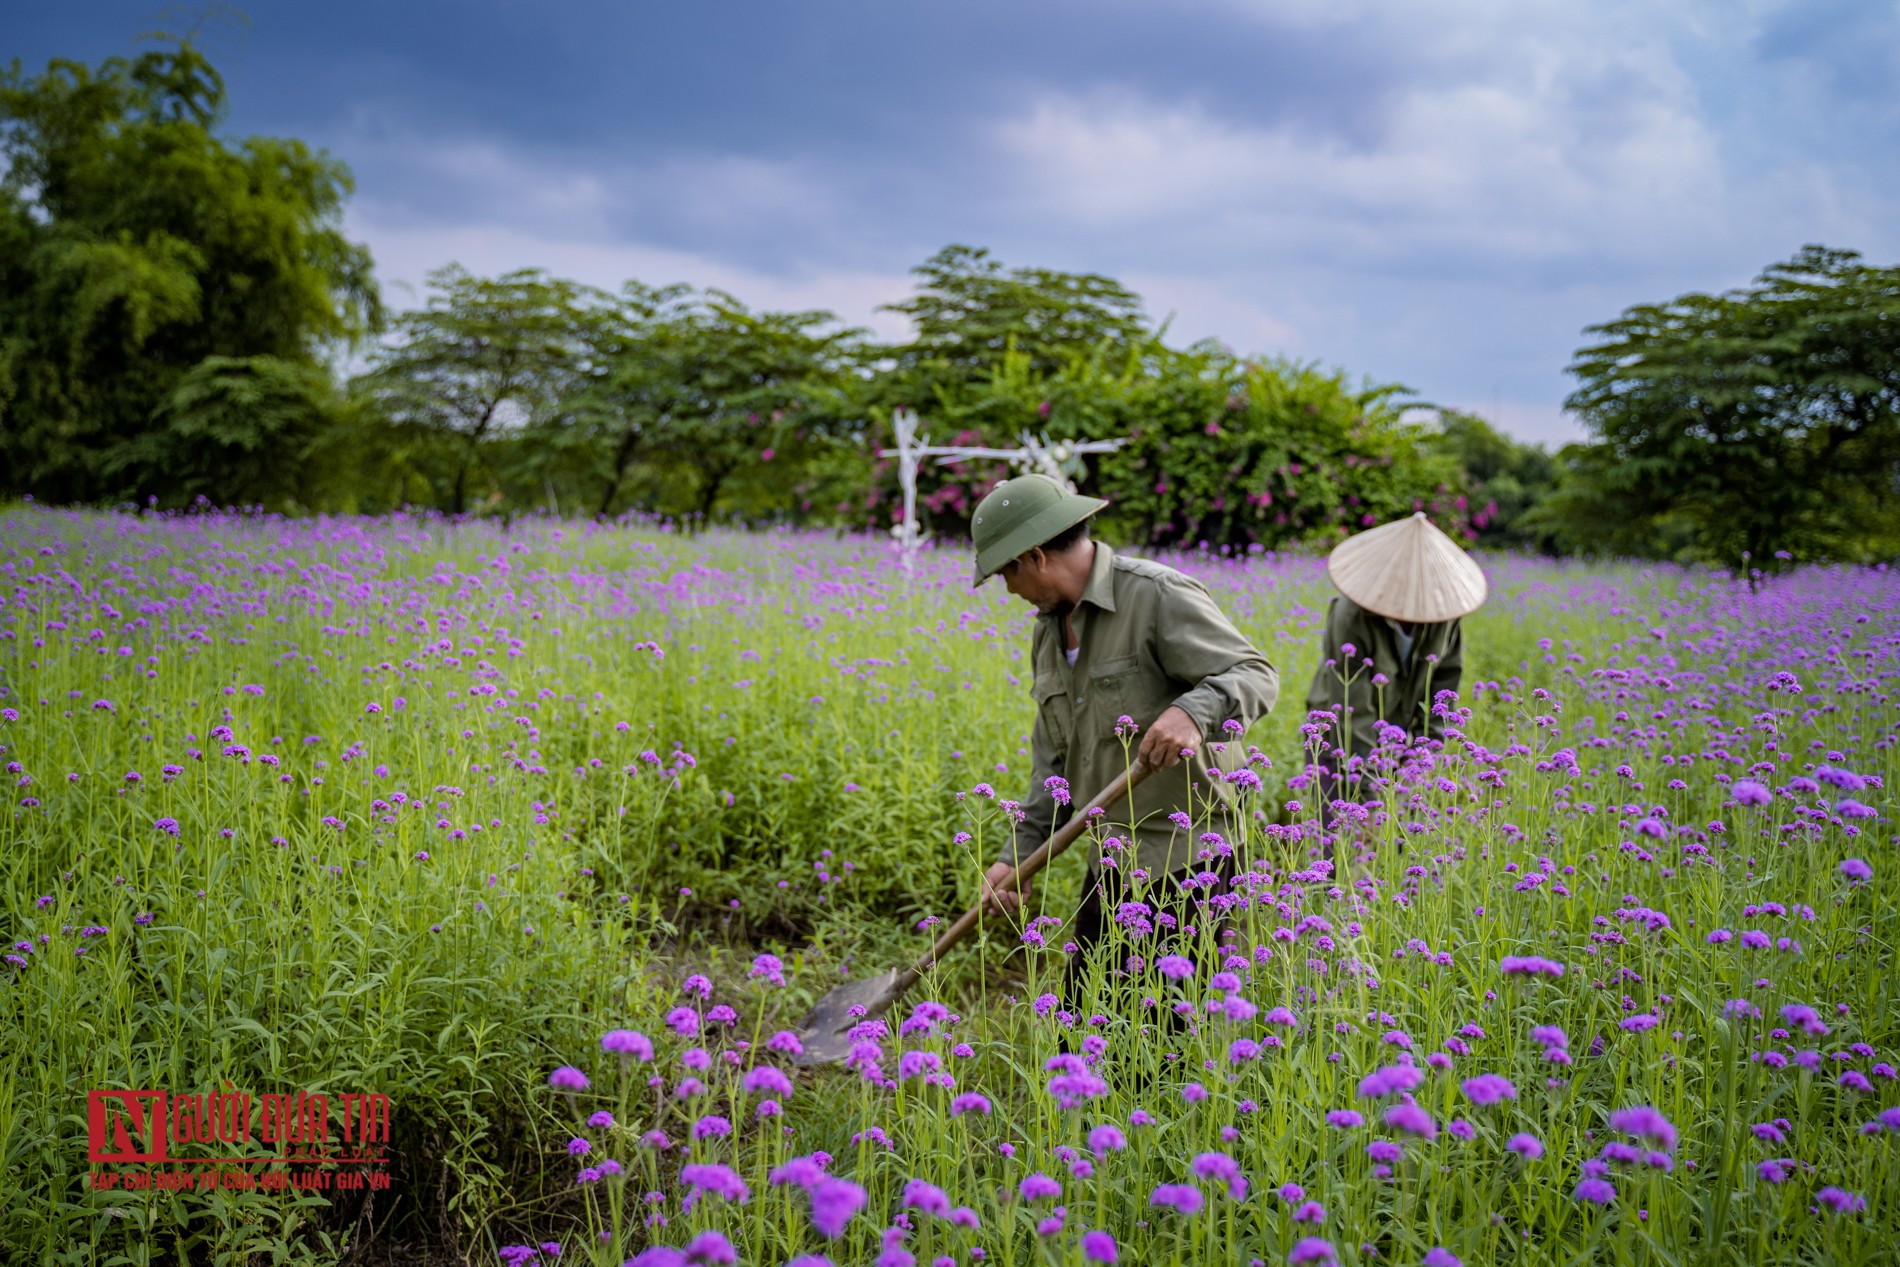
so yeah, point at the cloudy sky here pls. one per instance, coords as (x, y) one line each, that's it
(1441, 193)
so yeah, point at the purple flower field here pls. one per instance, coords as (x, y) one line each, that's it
(552, 832)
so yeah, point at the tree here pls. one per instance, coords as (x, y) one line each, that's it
(484, 359)
(136, 246)
(1504, 479)
(239, 430)
(700, 390)
(976, 324)
(969, 312)
(1762, 424)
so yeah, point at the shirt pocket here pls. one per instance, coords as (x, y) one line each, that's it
(1119, 687)
(1052, 710)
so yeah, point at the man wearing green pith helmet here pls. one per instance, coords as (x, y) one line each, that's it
(1117, 640)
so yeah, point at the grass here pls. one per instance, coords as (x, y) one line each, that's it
(426, 808)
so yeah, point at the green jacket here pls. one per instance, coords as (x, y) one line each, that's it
(1150, 638)
(1405, 699)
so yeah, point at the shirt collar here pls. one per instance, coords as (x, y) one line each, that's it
(1101, 587)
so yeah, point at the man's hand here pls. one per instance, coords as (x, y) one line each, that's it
(1171, 732)
(1001, 894)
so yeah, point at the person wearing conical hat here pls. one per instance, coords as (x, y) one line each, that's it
(1393, 638)
(1125, 651)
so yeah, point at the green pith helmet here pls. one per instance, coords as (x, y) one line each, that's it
(1020, 514)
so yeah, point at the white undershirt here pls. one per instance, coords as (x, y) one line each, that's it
(1071, 652)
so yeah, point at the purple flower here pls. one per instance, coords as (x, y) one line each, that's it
(1384, 1151)
(1489, 1088)
(769, 968)
(1073, 1089)
(1804, 1018)
(970, 1102)
(627, 1042)
(170, 826)
(767, 1078)
(1839, 1201)
(927, 1197)
(1344, 1119)
(1526, 1146)
(1222, 1169)
(1311, 1249)
(658, 1256)
(1439, 1256)
(1182, 1198)
(1749, 792)
(1845, 780)
(1594, 1190)
(1774, 1170)
(1646, 1123)
(719, 1180)
(1105, 1138)
(1099, 1247)
(713, 1249)
(568, 1078)
(1412, 1120)
(833, 1204)
(1857, 870)
(1390, 1080)
(806, 1172)
(1310, 1212)
(1038, 1187)
(1530, 966)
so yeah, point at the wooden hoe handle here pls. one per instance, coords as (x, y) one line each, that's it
(1048, 852)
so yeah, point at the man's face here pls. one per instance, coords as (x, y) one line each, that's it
(1028, 578)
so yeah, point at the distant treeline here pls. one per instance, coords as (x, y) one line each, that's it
(173, 304)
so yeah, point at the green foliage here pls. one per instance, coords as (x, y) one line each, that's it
(138, 245)
(703, 405)
(1757, 428)
(1505, 478)
(1237, 453)
(235, 430)
(483, 361)
(970, 312)
(1229, 451)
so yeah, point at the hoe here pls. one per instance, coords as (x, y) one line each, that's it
(824, 1032)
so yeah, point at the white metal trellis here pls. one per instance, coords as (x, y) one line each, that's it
(1060, 460)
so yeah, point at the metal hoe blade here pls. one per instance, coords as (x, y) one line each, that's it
(825, 1030)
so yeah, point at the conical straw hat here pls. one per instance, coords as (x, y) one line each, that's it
(1408, 570)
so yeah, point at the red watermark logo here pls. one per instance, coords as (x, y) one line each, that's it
(125, 1126)
(151, 1137)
